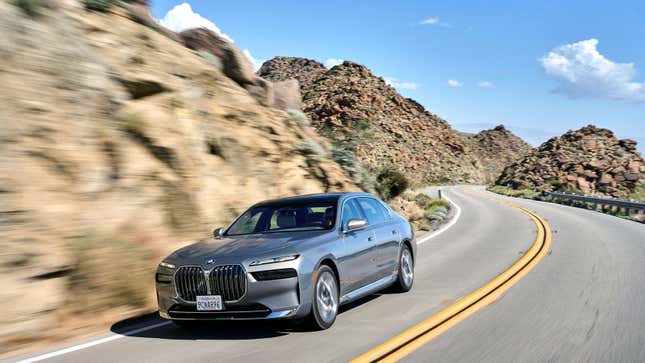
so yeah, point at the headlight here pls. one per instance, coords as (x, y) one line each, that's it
(166, 264)
(265, 261)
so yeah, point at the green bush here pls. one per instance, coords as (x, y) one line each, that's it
(346, 159)
(436, 214)
(30, 7)
(210, 58)
(365, 178)
(423, 200)
(299, 117)
(518, 193)
(439, 203)
(312, 151)
(99, 5)
(390, 183)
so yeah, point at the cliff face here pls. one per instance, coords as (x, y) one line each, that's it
(363, 115)
(587, 161)
(118, 145)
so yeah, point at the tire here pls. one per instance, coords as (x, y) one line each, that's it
(324, 307)
(405, 277)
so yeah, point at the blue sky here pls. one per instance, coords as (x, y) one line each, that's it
(538, 67)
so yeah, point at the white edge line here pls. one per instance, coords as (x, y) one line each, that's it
(92, 343)
(434, 234)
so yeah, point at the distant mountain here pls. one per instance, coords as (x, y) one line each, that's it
(590, 160)
(368, 119)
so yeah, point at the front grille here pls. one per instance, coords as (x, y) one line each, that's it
(190, 282)
(226, 280)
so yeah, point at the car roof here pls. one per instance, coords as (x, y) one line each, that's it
(307, 198)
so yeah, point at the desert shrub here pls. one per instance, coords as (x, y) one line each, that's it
(99, 5)
(436, 213)
(390, 183)
(346, 159)
(439, 203)
(312, 151)
(518, 193)
(362, 125)
(638, 193)
(299, 117)
(423, 200)
(365, 178)
(109, 271)
(210, 58)
(30, 7)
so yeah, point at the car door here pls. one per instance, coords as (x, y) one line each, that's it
(385, 247)
(356, 261)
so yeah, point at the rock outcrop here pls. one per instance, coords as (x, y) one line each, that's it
(586, 161)
(496, 149)
(363, 115)
(230, 59)
(118, 145)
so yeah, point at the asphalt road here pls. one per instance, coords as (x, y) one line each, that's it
(583, 302)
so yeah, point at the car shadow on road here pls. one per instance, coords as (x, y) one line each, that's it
(220, 330)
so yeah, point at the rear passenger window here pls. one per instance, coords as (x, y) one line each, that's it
(374, 211)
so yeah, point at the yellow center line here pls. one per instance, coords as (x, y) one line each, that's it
(412, 339)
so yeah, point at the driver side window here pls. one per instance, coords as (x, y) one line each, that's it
(351, 211)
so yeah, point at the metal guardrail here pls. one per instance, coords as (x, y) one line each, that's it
(621, 203)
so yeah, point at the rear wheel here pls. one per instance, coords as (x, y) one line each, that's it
(325, 301)
(406, 271)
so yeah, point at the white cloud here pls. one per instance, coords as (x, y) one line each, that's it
(485, 84)
(182, 17)
(400, 85)
(434, 21)
(453, 83)
(583, 72)
(430, 21)
(333, 62)
(256, 63)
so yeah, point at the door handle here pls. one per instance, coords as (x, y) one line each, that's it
(394, 232)
(370, 238)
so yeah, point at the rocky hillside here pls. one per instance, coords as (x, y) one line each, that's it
(496, 149)
(119, 143)
(367, 120)
(586, 161)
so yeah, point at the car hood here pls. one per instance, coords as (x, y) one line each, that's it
(247, 246)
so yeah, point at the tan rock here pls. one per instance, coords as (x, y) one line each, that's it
(286, 95)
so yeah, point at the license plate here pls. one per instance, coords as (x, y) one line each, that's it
(209, 303)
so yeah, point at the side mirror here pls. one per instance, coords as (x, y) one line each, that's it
(218, 232)
(356, 224)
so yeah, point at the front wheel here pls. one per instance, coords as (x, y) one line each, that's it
(406, 271)
(325, 300)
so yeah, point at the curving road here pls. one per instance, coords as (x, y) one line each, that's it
(584, 301)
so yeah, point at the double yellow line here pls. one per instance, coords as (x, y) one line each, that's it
(412, 339)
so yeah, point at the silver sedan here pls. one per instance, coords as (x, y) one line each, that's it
(292, 258)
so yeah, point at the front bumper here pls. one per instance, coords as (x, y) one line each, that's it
(267, 299)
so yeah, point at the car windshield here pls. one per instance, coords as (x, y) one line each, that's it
(283, 217)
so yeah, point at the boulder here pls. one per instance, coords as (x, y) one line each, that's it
(261, 90)
(286, 95)
(606, 179)
(583, 185)
(235, 64)
(632, 176)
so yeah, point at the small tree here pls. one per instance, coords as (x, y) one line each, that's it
(390, 183)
